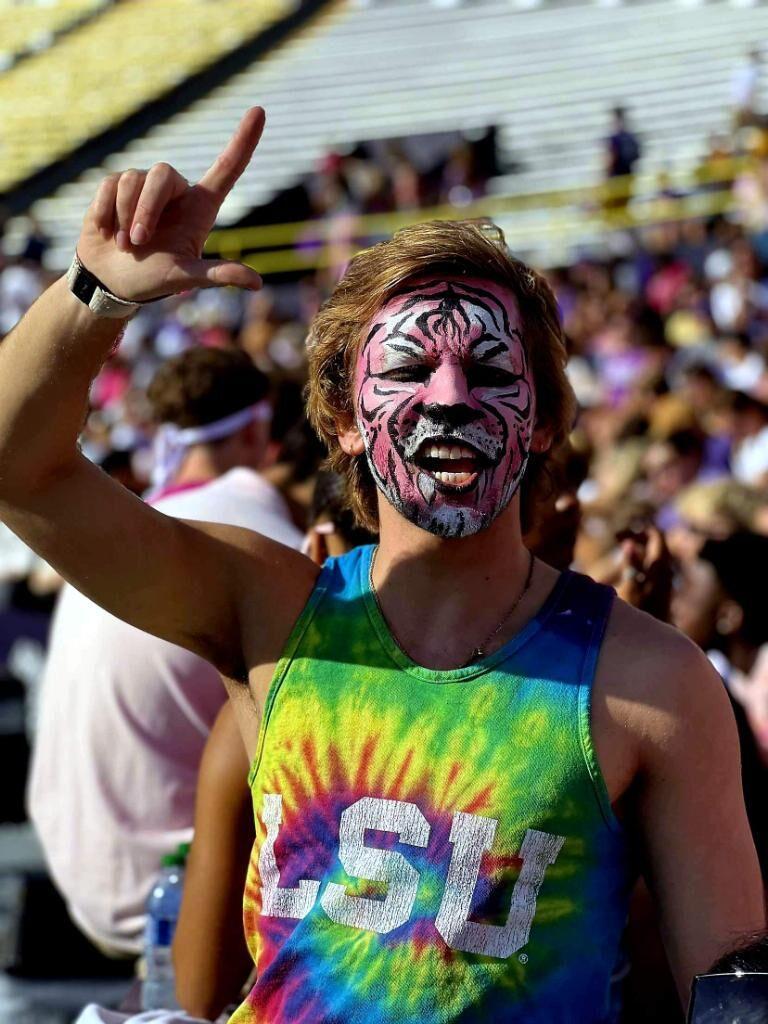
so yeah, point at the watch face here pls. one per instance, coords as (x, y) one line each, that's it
(83, 286)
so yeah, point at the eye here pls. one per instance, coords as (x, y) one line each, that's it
(414, 373)
(480, 376)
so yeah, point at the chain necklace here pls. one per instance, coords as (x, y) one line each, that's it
(479, 651)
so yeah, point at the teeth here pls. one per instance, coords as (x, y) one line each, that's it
(452, 478)
(434, 451)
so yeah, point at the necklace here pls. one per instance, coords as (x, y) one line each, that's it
(479, 651)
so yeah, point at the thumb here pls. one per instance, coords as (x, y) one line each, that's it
(217, 274)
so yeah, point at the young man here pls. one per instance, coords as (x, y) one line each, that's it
(452, 743)
(110, 806)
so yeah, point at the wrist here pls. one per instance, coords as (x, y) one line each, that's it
(83, 320)
(93, 293)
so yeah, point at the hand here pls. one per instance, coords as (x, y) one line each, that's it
(144, 232)
(645, 572)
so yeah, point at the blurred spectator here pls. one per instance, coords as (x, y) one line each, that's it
(714, 509)
(669, 466)
(332, 530)
(751, 690)
(20, 284)
(622, 152)
(745, 82)
(719, 602)
(110, 804)
(748, 428)
(667, 337)
(716, 170)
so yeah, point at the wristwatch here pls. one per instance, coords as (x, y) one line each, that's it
(96, 296)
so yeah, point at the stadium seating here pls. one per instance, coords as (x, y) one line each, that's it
(109, 67)
(546, 76)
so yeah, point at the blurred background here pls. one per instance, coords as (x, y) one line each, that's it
(623, 149)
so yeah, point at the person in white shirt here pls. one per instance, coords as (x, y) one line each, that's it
(748, 429)
(745, 81)
(124, 716)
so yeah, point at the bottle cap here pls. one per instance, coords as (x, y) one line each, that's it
(172, 860)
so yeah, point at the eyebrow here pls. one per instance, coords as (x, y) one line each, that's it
(402, 341)
(408, 349)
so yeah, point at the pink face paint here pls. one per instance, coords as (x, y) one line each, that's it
(445, 403)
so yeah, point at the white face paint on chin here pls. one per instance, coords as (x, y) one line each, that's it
(445, 404)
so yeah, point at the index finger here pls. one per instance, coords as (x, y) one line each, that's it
(236, 155)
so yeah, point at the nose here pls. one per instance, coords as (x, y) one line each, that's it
(447, 397)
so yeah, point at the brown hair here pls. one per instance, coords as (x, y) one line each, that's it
(203, 385)
(468, 248)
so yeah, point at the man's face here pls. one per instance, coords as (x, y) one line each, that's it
(445, 405)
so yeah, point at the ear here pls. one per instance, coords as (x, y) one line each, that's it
(542, 440)
(350, 438)
(250, 433)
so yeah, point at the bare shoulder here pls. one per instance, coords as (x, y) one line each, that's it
(650, 659)
(657, 687)
(272, 583)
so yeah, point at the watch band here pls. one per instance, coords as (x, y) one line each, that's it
(96, 296)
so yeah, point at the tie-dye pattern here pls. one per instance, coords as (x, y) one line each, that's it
(349, 716)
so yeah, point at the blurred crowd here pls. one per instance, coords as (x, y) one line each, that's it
(664, 488)
(668, 348)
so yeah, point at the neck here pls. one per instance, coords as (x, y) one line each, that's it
(202, 463)
(432, 561)
(442, 597)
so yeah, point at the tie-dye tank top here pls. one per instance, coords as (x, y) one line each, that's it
(432, 846)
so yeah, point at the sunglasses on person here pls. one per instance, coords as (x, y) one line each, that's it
(740, 997)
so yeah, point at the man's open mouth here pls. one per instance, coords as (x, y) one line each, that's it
(454, 465)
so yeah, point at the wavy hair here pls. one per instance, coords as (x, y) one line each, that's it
(431, 249)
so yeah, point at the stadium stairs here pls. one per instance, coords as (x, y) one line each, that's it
(546, 76)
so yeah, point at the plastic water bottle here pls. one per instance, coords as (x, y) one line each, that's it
(163, 905)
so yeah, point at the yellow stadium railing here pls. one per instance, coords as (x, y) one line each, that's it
(317, 244)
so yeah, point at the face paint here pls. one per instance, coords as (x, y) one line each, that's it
(445, 404)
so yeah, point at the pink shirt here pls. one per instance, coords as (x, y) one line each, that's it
(123, 721)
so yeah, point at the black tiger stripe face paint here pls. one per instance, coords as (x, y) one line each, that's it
(444, 401)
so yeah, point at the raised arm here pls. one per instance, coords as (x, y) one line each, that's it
(167, 577)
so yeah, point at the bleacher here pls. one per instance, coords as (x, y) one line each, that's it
(30, 26)
(110, 67)
(546, 76)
